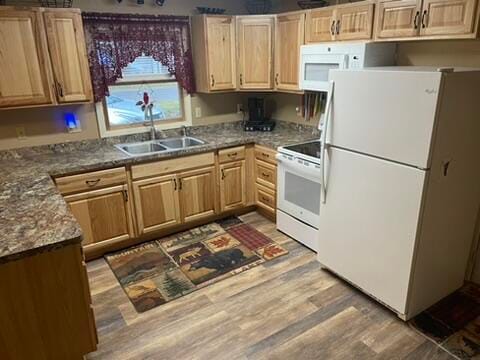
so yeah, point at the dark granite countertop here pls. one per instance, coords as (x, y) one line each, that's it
(33, 215)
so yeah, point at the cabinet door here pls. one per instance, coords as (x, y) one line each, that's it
(354, 22)
(255, 46)
(221, 52)
(66, 42)
(103, 215)
(445, 17)
(23, 59)
(232, 185)
(320, 25)
(397, 19)
(289, 36)
(197, 193)
(157, 203)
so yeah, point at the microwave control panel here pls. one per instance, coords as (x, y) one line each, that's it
(355, 61)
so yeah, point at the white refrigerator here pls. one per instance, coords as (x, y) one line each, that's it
(401, 182)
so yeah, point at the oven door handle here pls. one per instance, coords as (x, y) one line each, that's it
(309, 172)
(324, 145)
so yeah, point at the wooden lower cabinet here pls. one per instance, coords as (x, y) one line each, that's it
(45, 307)
(232, 185)
(197, 193)
(104, 215)
(157, 203)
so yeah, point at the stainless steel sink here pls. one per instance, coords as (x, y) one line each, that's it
(157, 146)
(141, 148)
(181, 142)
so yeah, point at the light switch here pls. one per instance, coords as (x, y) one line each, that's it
(198, 112)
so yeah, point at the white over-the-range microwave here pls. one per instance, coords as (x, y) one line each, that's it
(317, 60)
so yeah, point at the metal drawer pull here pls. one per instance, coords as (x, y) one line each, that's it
(332, 28)
(223, 174)
(175, 184)
(265, 175)
(213, 81)
(92, 182)
(266, 155)
(338, 27)
(233, 154)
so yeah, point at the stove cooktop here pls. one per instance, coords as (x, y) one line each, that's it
(311, 148)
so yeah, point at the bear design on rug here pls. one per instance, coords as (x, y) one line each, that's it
(221, 261)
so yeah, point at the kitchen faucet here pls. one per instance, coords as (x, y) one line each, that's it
(184, 131)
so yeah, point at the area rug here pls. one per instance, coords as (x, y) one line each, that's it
(160, 271)
(454, 322)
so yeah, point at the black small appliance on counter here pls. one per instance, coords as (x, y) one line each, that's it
(256, 116)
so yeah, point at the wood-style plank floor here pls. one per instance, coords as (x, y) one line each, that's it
(287, 308)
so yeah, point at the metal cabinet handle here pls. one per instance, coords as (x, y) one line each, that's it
(180, 184)
(223, 174)
(424, 16)
(175, 184)
(92, 182)
(415, 20)
(232, 154)
(338, 27)
(265, 175)
(276, 78)
(266, 155)
(60, 89)
(332, 28)
(213, 81)
(125, 195)
(241, 79)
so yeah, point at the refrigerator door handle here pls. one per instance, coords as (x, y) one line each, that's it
(324, 144)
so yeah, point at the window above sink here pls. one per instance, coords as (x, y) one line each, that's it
(118, 114)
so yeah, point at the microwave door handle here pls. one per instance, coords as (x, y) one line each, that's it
(324, 144)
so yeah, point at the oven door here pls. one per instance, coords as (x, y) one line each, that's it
(315, 68)
(298, 192)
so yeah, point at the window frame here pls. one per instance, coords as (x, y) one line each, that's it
(185, 107)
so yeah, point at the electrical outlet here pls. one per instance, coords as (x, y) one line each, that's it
(21, 133)
(239, 108)
(198, 112)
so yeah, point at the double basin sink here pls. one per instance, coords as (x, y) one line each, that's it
(161, 145)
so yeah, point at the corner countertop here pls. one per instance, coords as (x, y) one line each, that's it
(33, 214)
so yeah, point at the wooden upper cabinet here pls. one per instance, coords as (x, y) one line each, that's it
(157, 203)
(66, 42)
(289, 36)
(214, 52)
(23, 59)
(104, 214)
(354, 22)
(320, 25)
(447, 17)
(197, 193)
(232, 185)
(221, 52)
(255, 47)
(399, 18)
(342, 22)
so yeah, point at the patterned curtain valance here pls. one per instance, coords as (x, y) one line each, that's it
(115, 40)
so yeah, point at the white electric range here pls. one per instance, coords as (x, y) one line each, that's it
(298, 194)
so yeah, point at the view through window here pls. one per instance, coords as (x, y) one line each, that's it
(144, 75)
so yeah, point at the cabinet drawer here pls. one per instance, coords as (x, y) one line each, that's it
(266, 174)
(265, 154)
(265, 198)
(91, 180)
(172, 165)
(232, 154)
